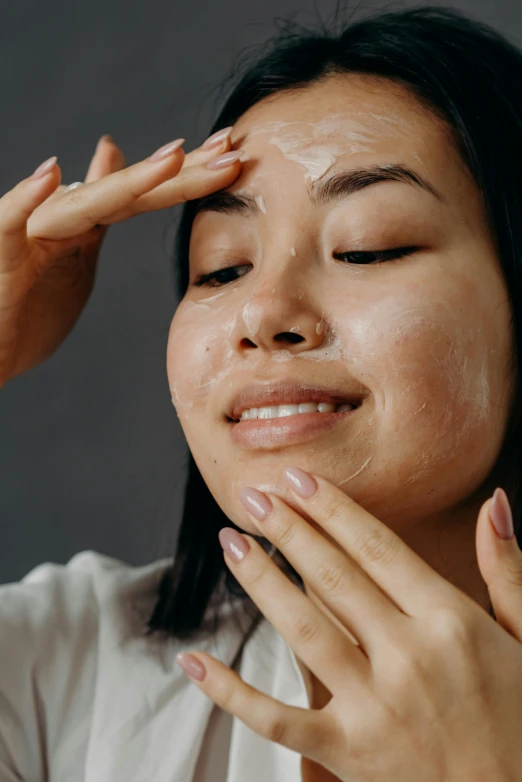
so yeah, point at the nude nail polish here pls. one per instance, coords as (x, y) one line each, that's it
(166, 149)
(222, 161)
(217, 138)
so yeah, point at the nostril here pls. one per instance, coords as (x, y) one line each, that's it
(288, 336)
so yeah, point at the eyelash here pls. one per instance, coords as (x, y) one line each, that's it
(379, 256)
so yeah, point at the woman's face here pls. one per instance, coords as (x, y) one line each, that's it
(425, 339)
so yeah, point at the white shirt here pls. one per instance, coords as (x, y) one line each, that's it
(84, 697)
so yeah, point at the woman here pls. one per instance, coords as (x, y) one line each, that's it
(354, 270)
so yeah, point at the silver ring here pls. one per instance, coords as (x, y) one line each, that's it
(71, 187)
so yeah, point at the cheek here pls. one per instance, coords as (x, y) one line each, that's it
(435, 375)
(197, 356)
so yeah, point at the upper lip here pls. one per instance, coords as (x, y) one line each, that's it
(288, 392)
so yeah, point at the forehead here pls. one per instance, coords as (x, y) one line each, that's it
(344, 116)
(337, 137)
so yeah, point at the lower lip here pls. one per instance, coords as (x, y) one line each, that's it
(273, 432)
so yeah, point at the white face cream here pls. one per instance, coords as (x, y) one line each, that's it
(341, 133)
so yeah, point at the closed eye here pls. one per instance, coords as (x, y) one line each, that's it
(377, 256)
(219, 277)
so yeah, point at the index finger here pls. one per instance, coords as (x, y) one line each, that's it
(191, 182)
(397, 569)
(77, 211)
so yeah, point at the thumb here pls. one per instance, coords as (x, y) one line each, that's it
(500, 561)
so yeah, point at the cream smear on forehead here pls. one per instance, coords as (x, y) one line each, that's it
(317, 152)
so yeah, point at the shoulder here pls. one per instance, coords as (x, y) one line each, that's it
(72, 595)
(58, 626)
(59, 617)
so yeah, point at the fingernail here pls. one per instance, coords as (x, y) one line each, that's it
(300, 481)
(233, 543)
(217, 138)
(166, 149)
(44, 168)
(256, 503)
(191, 665)
(225, 160)
(106, 137)
(501, 516)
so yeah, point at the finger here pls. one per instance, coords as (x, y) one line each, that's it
(500, 563)
(306, 731)
(16, 206)
(191, 182)
(93, 203)
(220, 143)
(107, 159)
(399, 571)
(325, 649)
(343, 588)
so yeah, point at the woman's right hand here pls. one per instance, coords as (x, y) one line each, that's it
(50, 240)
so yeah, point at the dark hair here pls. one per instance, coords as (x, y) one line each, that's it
(464, 72)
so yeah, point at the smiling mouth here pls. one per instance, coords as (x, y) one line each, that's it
(278, 412)
(289, 429)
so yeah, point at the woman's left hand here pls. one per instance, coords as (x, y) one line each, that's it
(433, 691)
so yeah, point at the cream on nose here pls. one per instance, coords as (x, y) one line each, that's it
(252, 314)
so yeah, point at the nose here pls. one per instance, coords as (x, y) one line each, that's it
(280, 313)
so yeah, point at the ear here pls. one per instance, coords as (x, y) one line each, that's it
(500, 562)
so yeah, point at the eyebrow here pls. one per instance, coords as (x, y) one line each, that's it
(336, 188)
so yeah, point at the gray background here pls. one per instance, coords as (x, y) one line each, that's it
(92, 454)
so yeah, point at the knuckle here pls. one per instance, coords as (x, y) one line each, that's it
(376, 548)
(75, 197)
(305, 628)
(335, 510)
(512, 573)
(407, 672)
(452, 628)
(276, 730)
(285, 534)
(75, 201)
(331, 578)
(255, 575)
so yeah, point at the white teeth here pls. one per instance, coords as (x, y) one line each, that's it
(325, 407)
(280, 411)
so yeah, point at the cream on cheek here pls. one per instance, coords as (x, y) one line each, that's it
(199, 352)
(435, 377)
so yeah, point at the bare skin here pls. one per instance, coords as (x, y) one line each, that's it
(426, 337)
